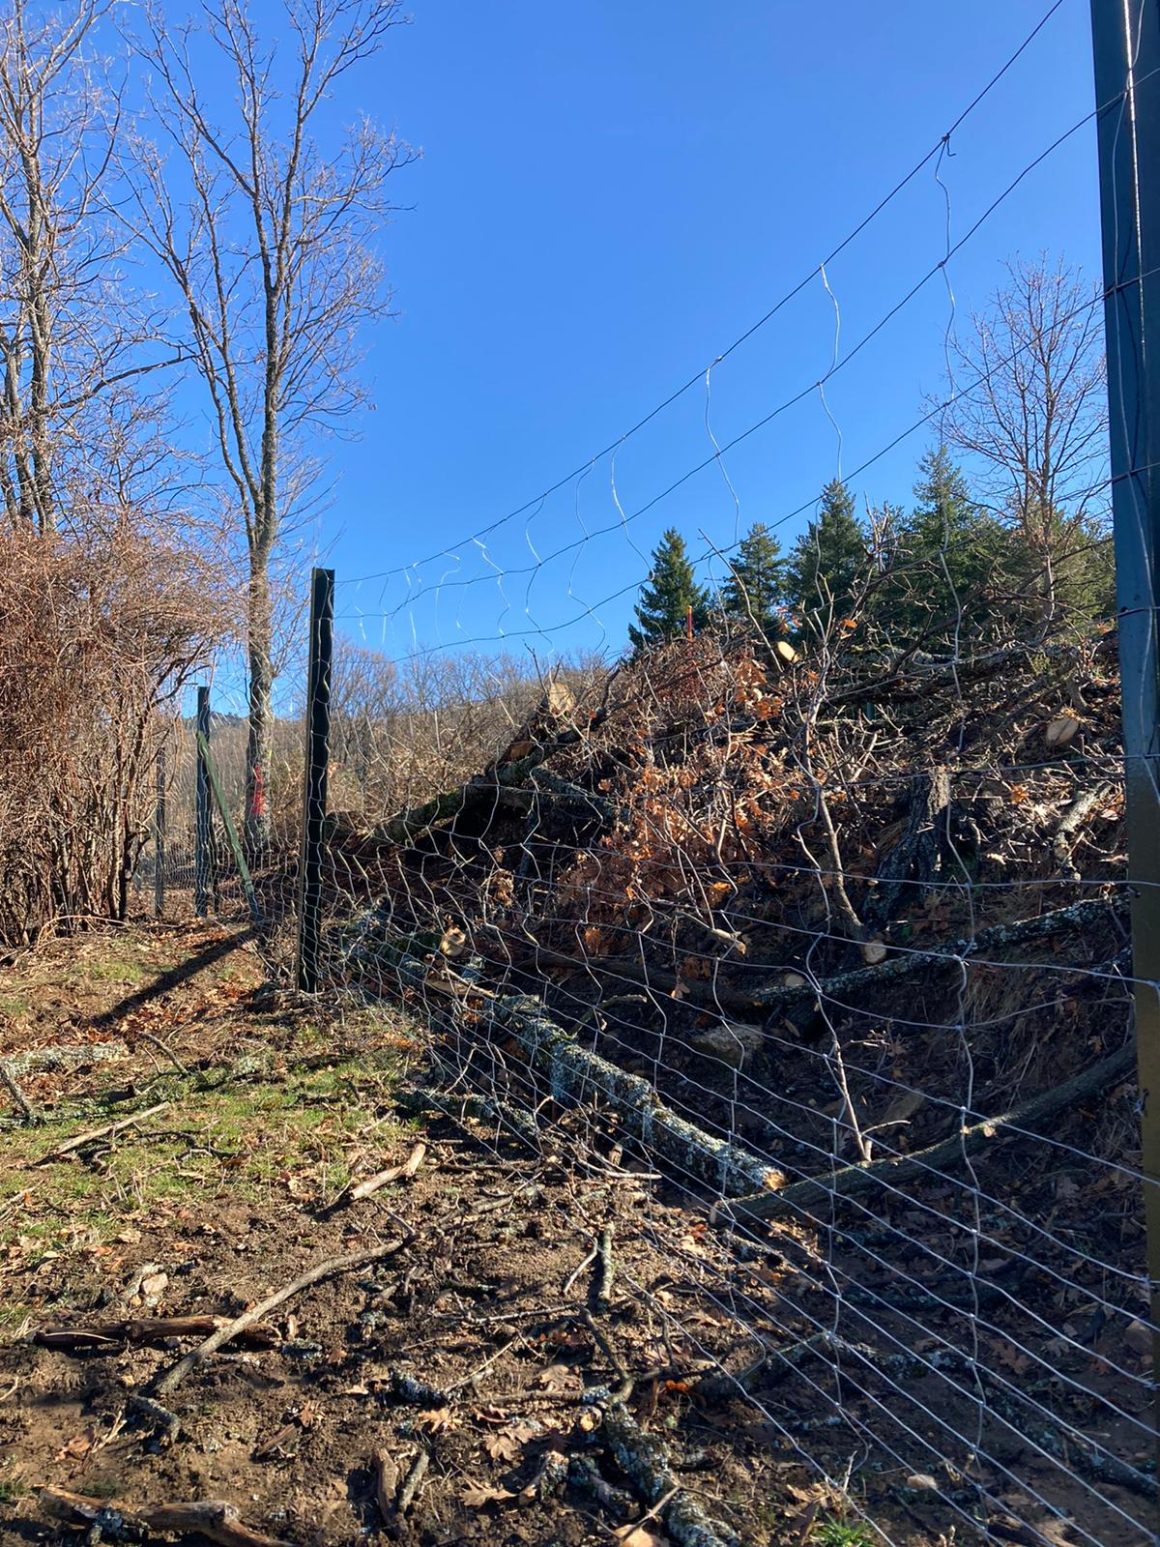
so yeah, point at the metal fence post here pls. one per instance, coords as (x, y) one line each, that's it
(202, 830)
(1126, 46)
(159, 838)
(314, 790)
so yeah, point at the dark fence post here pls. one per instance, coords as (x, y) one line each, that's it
(227, 821)
(1126, 40)
(159, 839)
(202, 831)
(314, 790)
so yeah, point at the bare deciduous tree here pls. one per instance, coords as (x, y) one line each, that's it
(1035, 424)
(268, 234)
(74, 344)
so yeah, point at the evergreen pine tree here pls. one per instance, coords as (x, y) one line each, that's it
(951, 551)
(1082, 588)
(824, 566)
(752, 595)
(667, 595)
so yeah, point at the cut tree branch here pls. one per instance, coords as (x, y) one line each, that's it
(898, 1170)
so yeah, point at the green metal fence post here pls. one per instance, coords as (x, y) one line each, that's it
(202, 829)
(1126, 47)
(314, 792)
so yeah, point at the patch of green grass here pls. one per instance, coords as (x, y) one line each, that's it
(237, 1134)
(11, 1489)
(122, 971)
(842, 1533)
(13, 1314)
(13, 1006)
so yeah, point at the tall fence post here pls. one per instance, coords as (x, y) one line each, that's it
(314, 791)
(202, 829)
(1126, 47)
(159, 838)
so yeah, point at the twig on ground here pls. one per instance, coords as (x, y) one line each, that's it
(650, 1514)
(627, 1381)
(82, 1139)
(414, 1477)
(21, 1100)
(147, 1036)
(213, 1518)
(173, 1377)
(1066, 834)
(169, 1423)
(470, 1380)
(570, 1281)
(353, 1194)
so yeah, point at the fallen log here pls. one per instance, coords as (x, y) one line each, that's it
(64, 1055)
(573, 1072)
(895, 1171)
(864, 980)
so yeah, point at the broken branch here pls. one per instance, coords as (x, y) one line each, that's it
(106, 1132)
(372, 1184)
(173, 1377)
(214, 1518)
(148, 1329)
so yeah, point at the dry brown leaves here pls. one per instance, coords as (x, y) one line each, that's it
(508, 1444)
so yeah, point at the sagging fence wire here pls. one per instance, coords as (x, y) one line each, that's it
(935, 153)
(497, 574)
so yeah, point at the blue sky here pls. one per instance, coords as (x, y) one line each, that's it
(608, 196)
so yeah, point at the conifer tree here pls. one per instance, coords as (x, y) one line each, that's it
(666, 596)
(752, 595)
(951, 553)
(824, 566)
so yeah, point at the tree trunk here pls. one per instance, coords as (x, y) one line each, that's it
(260, 652)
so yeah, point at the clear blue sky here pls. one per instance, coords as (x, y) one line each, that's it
(608, 196)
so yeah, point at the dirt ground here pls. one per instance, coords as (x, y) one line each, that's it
(534, 1356)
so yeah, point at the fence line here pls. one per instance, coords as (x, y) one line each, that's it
(802, 930)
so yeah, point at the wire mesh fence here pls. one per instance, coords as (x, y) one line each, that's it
(800, 921)
(856, 990)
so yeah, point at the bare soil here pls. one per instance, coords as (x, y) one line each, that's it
(495, 1343)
